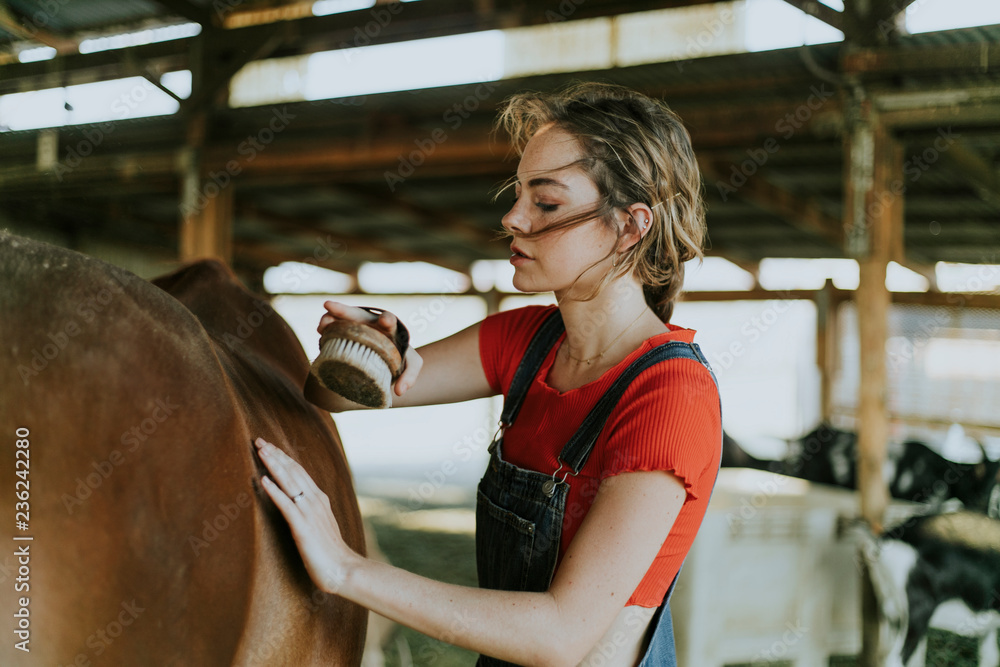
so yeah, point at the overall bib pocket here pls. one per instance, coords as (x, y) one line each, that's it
(503, 553)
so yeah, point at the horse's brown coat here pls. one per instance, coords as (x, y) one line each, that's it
(153, 543)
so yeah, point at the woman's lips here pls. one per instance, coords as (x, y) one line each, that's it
(518, 257)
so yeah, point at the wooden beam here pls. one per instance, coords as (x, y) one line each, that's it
(385, 23)
(15, 25)
(802, 213)
(980, 174)
(360, 249)
(871, 22)
(920, 268)
(950, 59)
(189, 10)
(818, 10)
(220, 54)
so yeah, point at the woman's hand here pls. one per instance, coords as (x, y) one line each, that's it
(307, 509)
(386, 323)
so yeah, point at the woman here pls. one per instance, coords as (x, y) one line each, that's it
(582, 526)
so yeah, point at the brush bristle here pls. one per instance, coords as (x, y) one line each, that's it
(354, 371)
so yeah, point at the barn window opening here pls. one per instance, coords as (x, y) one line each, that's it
(146, 36)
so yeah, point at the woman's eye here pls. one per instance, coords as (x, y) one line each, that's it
(548, 208)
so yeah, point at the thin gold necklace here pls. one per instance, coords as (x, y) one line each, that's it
(610, 345)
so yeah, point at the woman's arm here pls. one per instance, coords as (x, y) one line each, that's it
(449, 370)
(614, 547)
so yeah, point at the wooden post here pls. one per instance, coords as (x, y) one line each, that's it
(206, 204)
(873, 221)
(827, 350)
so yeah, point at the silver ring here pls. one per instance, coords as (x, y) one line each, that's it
(296, 497)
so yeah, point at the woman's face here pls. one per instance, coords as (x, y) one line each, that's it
(549, 188)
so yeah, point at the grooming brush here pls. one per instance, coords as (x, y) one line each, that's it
(358, 362)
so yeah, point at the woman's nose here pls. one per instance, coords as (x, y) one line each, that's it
(515, 221)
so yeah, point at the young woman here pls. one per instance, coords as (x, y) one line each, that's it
(611, 435)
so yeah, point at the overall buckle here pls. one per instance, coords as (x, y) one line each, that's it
(549, 486)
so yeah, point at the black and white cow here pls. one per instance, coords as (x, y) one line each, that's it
(914, 471)
(924, 476)
(734, 456)
(825, 455)
(937, 566)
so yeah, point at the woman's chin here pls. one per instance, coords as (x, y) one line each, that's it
(523, 284)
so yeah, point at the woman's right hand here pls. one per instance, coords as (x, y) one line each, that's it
(386, 323)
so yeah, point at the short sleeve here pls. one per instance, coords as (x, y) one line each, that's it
(668, 419)
(503, 339)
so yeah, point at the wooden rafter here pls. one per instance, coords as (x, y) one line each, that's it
(13, 24)
(979, 173)
(818, 10)
(190, 11)
(360, 249)
(801, 212)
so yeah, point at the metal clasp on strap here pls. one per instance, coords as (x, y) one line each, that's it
(549, 486)
(501, 427)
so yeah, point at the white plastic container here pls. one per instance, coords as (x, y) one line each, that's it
(771, 578)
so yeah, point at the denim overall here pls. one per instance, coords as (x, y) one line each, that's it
(519, 513)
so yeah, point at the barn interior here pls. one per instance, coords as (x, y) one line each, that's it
(850, 153)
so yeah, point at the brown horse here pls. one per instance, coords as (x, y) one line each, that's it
(135, 527)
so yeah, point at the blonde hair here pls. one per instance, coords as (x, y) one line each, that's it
(636, 150)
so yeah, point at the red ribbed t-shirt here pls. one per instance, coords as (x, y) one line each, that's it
(667, 419)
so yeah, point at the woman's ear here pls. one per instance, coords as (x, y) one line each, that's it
(636, 220)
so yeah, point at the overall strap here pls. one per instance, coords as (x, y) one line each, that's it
(576, 452)
(534, 356)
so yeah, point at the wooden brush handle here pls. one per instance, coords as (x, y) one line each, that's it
(401, 338)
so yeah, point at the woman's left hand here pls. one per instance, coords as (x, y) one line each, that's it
(307, 510)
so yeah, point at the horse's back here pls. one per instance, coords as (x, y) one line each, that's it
(150, 541)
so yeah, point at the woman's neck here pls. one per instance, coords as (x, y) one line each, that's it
(605, 329)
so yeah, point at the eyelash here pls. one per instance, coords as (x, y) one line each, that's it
(548, 208)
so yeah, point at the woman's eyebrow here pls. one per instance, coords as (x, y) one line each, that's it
(543, 180)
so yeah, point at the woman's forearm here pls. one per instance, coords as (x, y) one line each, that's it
(480, 620)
